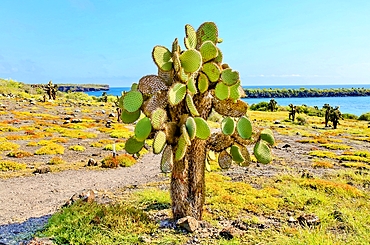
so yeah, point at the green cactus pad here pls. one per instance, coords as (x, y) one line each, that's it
(176, 93)
(208, 50)
(234, 91)
(176, 62)
(158, 118)
(151, 84)
(202, 129)
(229, 77)
(268, 136)
(133, 146)
(184, 77)
(190, 39)
(184, 133)
(130, 117)
(191, 127)
(221, 91)
(207, 31)
(191, 106)
(262, 152)
(224, 159)
(236, 154)
(191, 86)
(142, 129)
(132, 101)
(159, 142)
(218, 59)
(181, 148)
(212, 70)
(134, 86)
(191, 60)
(207, 165)
(202, 82)
(162, 57)
(244, 127)
(120, 101)
(228, 126)
(167, 159)
(211, 155)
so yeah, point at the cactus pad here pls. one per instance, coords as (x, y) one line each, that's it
(162, 57)
(159, 142)
(221, 91)
(212, 71)
(176, 93)
(167, 159)
(159, 116)
(224, 160)
(219, 57)
(142, 129)
(130, 117)
(185, 134)
(247, 158)
(202, 82)
(191, 106)
(229, 108)
(208, 50)
(207, 165)
(202, 129)
(268, 136)
(236, 154)
(151, 84)
(133, 146)
(158, 100)
(191, 127)
(191, 86)
(207, 31)
(181, 148)
(234, 91)
(262, 152)
(191, 60)
(244, 127)
(229, 77)
(132, 101)
(190, 40)
(228, 126)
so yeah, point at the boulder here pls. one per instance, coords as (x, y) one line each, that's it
(188, 223)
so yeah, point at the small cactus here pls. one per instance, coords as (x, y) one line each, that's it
(177, 102)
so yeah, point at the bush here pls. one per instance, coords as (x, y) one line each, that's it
(301, 120)
(365, 117)
(19, 154)
(349, 116)
(50, 149)
(77, 148)
(123, 160)
(10, 166)
(262, 106)
(56, 160)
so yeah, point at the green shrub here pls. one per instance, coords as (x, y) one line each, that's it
(8, 146)
(77, 148)
(56, 161)
(19, 154)
(301, 120)
(349, 116)
(51, 149)
(262, 106)
(365, 117)
(123, 160)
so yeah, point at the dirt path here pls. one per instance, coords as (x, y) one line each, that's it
(39, 195)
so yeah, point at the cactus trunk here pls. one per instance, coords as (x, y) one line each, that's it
(187, 182)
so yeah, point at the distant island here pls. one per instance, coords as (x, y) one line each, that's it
(304, 92)
(82, 87)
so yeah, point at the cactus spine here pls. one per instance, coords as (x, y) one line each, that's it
(177, 102)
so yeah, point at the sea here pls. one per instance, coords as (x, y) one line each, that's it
(357, 105)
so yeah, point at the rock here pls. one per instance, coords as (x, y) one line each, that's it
(230, 232)
(85, 196)
(292, 219)
(76, 120)
(39, 241)
(66, 122)
(77, 110)
(298, 133)
(286, 146)
(282, 126)
(188, 223)
(102, 111)
(42, 170)
(92, 162)
(277, 122)
(67, 118)
(308, 220)
(111, 115)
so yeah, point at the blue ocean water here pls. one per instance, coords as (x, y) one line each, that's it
(352, 105)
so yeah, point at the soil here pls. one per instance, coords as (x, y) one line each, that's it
(42, 194)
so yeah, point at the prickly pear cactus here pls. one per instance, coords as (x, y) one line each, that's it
(172, 108)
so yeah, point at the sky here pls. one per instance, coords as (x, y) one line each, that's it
(270, 42)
